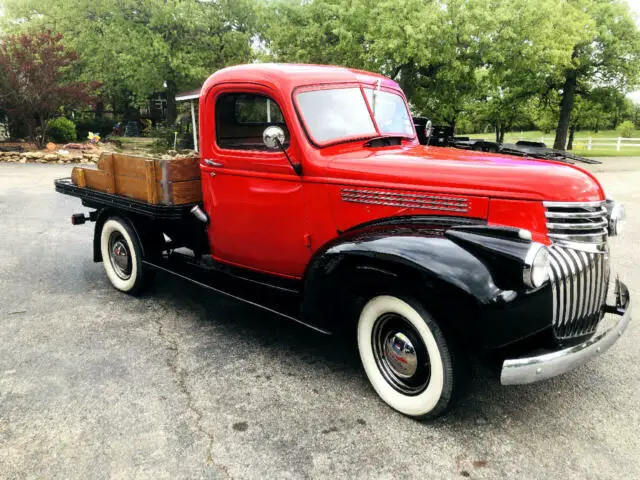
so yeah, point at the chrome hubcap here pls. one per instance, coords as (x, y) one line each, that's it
(400, 354)
(119, 255)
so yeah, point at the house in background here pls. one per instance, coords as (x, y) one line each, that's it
(156, 107)
(193, 97)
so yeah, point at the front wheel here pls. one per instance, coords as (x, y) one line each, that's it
(406, 357)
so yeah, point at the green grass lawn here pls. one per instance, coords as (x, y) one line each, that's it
(579, 141)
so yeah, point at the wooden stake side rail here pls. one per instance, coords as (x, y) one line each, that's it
(156, 181)
(97, 200)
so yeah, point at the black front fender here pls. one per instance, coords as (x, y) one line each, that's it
(462, 285)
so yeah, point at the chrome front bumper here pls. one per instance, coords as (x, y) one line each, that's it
(533, 369)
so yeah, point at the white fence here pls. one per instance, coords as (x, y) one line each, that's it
(589, 142)
(618, 142)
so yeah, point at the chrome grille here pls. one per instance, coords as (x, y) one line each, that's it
(580, 225)
(579, 283)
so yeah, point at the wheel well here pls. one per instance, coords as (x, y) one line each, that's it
(357, 281)
(136, 225)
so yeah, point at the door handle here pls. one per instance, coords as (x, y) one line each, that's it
(212, 163)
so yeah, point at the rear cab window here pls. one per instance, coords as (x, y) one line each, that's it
(241, 118)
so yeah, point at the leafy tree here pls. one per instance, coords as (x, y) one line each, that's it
(135, 48)
(626, 128)
(33, 81)
(607, 54)
(446, 54)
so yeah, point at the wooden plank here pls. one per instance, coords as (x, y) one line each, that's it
(81, 180)
(189, 191)
(132, 187)
(150, 180)
(179, 169)
(129, 166)
(99, 180)
(106, 165)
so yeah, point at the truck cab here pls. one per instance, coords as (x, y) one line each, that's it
(320, 204)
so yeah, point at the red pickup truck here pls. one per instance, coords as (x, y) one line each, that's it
(319, 204)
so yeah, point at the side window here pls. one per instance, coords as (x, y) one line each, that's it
(241, 119)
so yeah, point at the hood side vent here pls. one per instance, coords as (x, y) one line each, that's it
(423, 201)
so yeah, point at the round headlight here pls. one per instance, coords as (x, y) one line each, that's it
(536, 266)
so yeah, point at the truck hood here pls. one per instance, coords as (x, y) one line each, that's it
(462, 172)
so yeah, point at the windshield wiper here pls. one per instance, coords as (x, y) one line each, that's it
(384, 141)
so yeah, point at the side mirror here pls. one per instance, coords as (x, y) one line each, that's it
(428, 129)
(273, 137)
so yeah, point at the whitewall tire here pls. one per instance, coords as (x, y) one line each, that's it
(405, 356)
(122, 255)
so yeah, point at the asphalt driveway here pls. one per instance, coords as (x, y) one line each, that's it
(183, 384)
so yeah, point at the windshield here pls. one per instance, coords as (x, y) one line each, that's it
(336, 114)
(390, 112)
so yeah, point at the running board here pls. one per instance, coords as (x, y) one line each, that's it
(284, 304)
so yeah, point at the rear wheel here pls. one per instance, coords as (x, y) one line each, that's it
(122, 256)
(406, 357)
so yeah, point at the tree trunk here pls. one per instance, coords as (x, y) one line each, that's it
(172, 109)
(40, 136)
(572, 130)
(99, 113)
(452, 123)
(500, 132)
(566, 106)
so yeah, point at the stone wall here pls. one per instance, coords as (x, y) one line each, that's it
(78, 156)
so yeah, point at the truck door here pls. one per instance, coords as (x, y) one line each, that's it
(252, 195)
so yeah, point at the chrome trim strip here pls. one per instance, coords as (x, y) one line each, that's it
(597, 203)
(580, 215)
(569, 236)
(579, 226)
(582, 282)
(572, 280)
(599, 263)
(557, 287)
(588, 258)
(599, 247)
(519, 371)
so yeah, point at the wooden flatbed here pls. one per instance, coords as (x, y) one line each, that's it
(97, 199)
(151, 180)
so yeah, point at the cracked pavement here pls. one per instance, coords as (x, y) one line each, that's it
(180, 383)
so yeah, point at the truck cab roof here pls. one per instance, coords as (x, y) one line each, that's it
(288, 76)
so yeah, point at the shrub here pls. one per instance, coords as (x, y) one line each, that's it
(61, 130)
(626, 128)
(164, 134)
